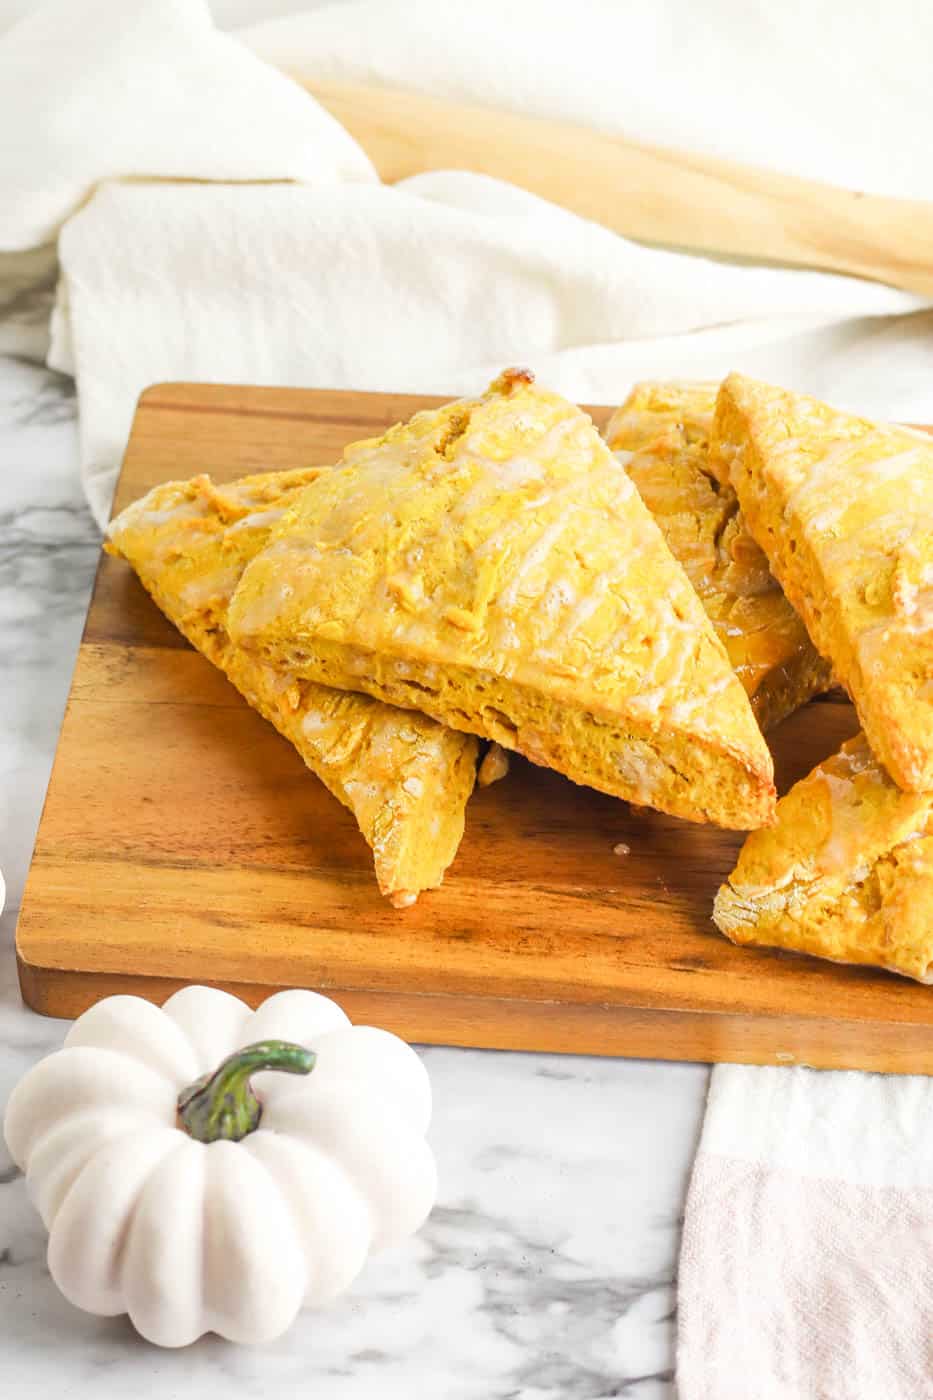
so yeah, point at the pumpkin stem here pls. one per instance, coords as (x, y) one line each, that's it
(222, 1104)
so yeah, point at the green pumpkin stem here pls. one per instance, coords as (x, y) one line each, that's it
(222, 1104)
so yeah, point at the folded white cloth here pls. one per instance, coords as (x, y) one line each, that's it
(430, 286)
(836, 91)
(98, 89)
(802, 1274)
(806, 1271)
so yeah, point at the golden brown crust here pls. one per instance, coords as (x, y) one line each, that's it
(843, 508)
(662, 433)
(405, 778)
(846, 872)
(490, 564)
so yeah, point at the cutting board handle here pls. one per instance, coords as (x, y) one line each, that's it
(648, 193)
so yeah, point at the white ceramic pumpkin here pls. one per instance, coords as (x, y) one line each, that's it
(174, 1193)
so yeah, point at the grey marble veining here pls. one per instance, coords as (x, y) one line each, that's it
(546, 1271)
(27, 293)
(48, 553)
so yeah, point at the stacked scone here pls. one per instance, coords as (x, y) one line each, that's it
(613, 609)
(842, 512)
(843, 508)
(405, 779)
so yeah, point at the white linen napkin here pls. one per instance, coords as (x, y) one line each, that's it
(336, 281)
(835, 91)
(806, 1270)
(430, 286)
(99, 89)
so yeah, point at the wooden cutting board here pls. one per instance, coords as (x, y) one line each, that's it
(183, 840)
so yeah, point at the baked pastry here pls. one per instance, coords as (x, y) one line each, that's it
(661, 435)
(846, 872)
(491, 564)
(843, 508)
(405, 778)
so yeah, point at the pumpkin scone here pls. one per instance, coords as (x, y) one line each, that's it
(661, 435)
(846, 873)
(843, 508)
(405, 778)
(491, 564)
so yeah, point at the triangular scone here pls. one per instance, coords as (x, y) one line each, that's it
(843, 508)
(661, 435)
(405, 778)
(491, 564)
(846, 873)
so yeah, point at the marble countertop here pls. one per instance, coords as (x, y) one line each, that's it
(547, 1268)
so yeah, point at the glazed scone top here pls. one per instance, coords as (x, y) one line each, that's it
(688, 403)
(500, 534)
(661, 434)
(668, 425)
(845, 873)
(844, 509)
(198, 537)
(405, 777)
(832, 826)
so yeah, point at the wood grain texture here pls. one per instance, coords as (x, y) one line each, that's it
(183, 840)
(651, 193)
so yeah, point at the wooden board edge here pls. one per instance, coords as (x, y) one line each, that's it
(182, 395)
(545, 1027)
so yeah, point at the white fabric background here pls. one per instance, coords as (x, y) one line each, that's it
(336, 281)
(431, 286)
(807, 1256)
(834, 90)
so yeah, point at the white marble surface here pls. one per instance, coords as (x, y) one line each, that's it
(546, 1271)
